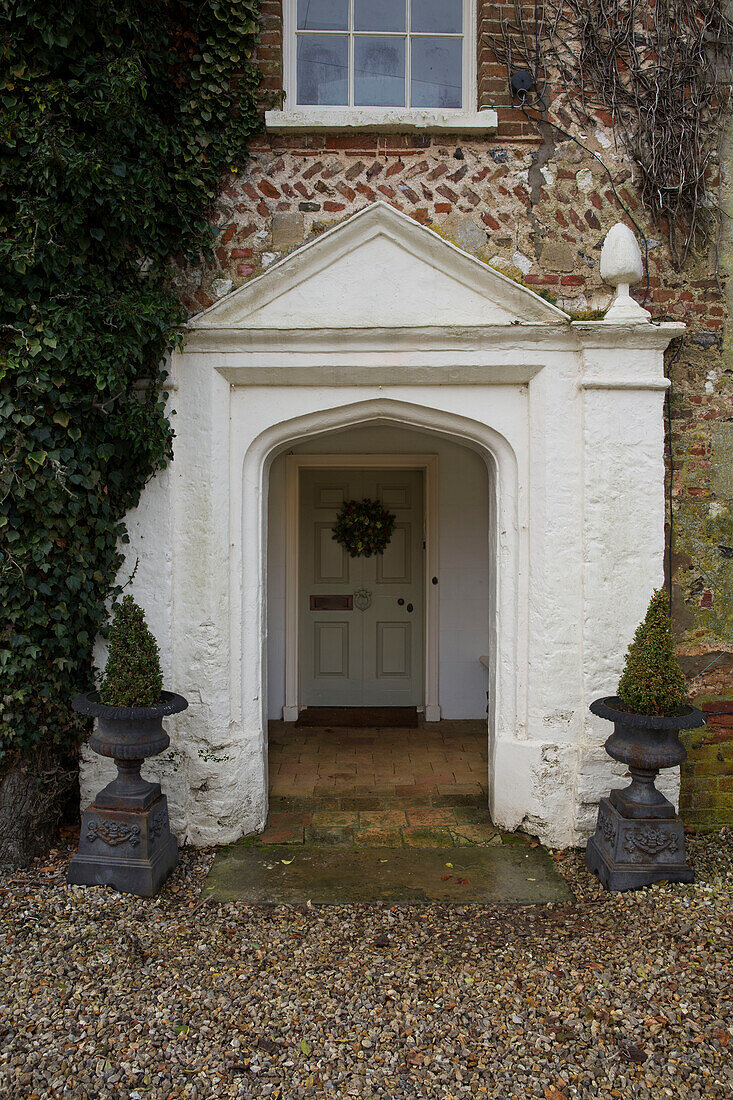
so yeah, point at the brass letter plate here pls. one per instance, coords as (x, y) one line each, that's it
(332, 603)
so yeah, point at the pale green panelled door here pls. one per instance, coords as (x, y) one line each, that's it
(361, 619)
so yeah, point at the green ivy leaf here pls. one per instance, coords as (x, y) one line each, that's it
(117, 155)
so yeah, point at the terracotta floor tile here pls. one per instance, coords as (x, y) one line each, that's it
(473, 802)
(460, 788)
(281, 834)
(431, 817)
(405, 801)
(424, 837)
(324, 788)
(378, 838)
(330, 835)
(472, 814)
(334, 817)
(285, 789)
(382, 819)
(278, 818)
(361, 802)
(435, 778)
(479, 835)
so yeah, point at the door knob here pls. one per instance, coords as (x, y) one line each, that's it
(409, 607)
(401, 602)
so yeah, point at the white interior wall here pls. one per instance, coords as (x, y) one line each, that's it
(464, 580)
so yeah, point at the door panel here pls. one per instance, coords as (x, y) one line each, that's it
(394, 565)
(330, 650)
(330, 561)
(370, 657)
(393, 650)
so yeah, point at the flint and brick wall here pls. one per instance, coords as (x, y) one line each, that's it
(706, 796)
(537, 207)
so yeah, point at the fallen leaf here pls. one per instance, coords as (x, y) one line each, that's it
(449, 864)
(463, 881)
(287, 862)
(551, 1093)
(305, 1046)
(721, 1036)
(444, 878)
(634, 1052)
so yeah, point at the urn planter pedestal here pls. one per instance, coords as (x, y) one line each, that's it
(639, 838)
(126, 840)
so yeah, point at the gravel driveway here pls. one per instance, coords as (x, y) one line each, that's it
(105, 995)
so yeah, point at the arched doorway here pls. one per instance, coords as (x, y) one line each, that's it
(428, 757)
(472, 460)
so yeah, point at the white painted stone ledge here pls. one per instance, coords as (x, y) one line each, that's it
(331, 120)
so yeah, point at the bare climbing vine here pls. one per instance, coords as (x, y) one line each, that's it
(662, 68)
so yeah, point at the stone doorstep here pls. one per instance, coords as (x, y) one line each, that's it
(507, 873)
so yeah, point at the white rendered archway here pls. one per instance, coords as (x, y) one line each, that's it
(379, 320)
(507, 543)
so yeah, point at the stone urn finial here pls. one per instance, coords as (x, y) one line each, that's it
(622, 267)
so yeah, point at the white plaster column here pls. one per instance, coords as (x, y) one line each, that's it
(623, 388)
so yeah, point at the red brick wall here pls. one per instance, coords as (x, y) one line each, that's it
(538, 208)
(706, 796)
(270, 51)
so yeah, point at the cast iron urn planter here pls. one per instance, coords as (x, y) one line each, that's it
(639, 839)
(126, 840)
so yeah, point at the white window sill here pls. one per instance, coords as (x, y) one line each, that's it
(331, 120)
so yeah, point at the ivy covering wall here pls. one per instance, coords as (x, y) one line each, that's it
(119, 119)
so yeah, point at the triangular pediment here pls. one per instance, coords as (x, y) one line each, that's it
(378, 269)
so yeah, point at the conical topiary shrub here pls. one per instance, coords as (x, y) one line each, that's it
(132, 677)
(652, 681)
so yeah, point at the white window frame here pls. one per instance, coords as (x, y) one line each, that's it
(294, 117)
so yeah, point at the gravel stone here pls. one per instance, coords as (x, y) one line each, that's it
(614, 995)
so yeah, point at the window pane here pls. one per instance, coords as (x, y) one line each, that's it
(323, 15)
(379, 15)
(323, 69)
(437, 16)
(436, 72)
(379, 72)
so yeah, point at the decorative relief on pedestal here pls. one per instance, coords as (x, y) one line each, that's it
(157, 824)
(607, 827)
(113, 832)
(651, 841)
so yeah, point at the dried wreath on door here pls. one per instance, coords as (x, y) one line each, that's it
(363, 527)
